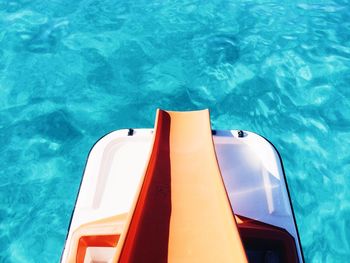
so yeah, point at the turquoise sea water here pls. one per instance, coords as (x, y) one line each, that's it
(72, 71)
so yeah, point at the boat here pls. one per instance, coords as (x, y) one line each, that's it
(182, 192)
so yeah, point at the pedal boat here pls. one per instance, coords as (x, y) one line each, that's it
(182, 192)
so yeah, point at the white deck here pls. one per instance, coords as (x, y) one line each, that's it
(250, 166)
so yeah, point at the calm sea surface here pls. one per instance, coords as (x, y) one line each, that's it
(72, 71)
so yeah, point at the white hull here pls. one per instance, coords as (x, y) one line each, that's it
(250, 166)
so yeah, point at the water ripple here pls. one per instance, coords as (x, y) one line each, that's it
(72, 71)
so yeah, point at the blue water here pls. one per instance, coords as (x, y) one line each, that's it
(72, 71)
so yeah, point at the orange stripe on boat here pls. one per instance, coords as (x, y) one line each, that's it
(182, 212)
